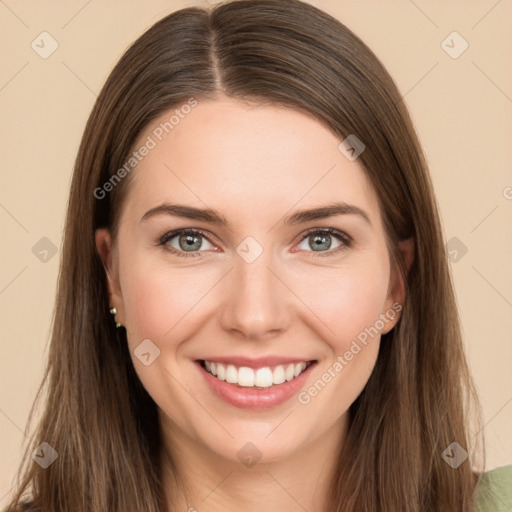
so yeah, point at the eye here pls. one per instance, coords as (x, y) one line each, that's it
(321, 241)
(188, 242)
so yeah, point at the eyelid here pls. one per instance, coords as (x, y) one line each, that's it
(183, 231)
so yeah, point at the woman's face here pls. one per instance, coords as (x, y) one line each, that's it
(255, 287)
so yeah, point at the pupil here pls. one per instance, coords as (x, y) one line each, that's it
(319, 240)
(189, 241)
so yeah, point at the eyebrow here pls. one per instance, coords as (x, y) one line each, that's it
(213, 217)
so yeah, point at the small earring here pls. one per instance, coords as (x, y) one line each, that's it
(113, 311)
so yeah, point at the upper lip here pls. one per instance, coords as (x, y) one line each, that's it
(260, 362)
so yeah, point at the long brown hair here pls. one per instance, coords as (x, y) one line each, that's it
(420, 397)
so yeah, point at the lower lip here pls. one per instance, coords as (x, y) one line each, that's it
(252, 398)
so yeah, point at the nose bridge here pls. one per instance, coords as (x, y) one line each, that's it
(256, 302)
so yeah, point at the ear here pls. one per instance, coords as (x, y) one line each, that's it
(109, 258)
(396, 293)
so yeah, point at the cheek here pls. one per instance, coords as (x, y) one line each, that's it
(160, 302)
(146, 295)
(153, 301)
(159, 306)
(348, 300)
(351, 306)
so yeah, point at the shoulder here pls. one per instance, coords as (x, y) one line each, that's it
(494, 490)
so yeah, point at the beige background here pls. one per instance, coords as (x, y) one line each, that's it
(462, 109)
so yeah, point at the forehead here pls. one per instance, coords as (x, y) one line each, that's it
(245, 159)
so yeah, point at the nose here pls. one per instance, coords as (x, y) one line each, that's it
(257, 304)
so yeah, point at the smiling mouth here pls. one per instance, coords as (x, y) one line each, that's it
(256, 378)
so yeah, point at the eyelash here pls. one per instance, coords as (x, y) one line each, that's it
(340, 235)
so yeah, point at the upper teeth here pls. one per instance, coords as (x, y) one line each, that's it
(261, 377)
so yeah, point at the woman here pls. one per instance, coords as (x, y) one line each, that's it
(254, 308)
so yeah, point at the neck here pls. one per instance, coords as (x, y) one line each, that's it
(206, 481)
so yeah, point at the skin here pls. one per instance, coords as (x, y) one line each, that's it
(255, 164)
